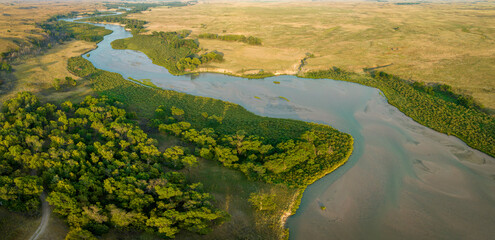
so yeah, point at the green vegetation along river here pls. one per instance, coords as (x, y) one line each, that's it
(403, 180)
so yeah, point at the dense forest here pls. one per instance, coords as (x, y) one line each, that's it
(232, 38)
(170, 50)
(99, 168)
(434, 106)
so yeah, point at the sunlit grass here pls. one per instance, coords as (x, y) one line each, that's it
(447, 43)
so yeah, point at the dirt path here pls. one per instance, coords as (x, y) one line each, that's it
(45, 211)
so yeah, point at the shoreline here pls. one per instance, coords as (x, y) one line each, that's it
(300, 74)
(296, 201)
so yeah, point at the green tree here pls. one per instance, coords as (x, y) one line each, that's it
(71, 81)
(56, 84)
(263, 201)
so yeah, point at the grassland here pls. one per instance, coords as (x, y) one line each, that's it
(18, 18)
(450, 43)
(36, 74)
(56, 229)
(232, 190)
(15, 226)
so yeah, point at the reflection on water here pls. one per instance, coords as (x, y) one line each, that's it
(402, 181)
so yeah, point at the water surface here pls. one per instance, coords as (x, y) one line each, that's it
(403, 180)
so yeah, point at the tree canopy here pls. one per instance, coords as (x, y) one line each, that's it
(99, 169)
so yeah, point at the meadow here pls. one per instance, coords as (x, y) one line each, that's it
(37, 74)
(18, 18)
(449, 43)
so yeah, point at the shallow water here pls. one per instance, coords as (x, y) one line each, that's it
(403, 180)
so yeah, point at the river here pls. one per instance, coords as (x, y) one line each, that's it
(403, 180)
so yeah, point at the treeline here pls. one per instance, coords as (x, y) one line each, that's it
(99, 169)
(170, 50)
(53, 35)
(135, 25)
(56, 32)
(139, 7)
(232, 38)
(273, 150)
(436, 106)
(74, 14)
(70, 30)
(32, 45)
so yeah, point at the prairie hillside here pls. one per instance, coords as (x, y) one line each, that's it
(450, 43)
(18, 19)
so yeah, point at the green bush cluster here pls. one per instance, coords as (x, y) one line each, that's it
(294, 162)
(192, 62)
(100, 170)
(260, 74)
(55, 32)
(232, 38)
(5, 66)
(62, 31)
(170, 50)
(135, 25)
(139, 7)
(67, 81)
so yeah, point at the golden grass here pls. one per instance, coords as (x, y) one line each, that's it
(36, 74)
(431, 42)
(255, 58)
(18, 18)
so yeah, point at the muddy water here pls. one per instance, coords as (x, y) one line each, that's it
(403, 180)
